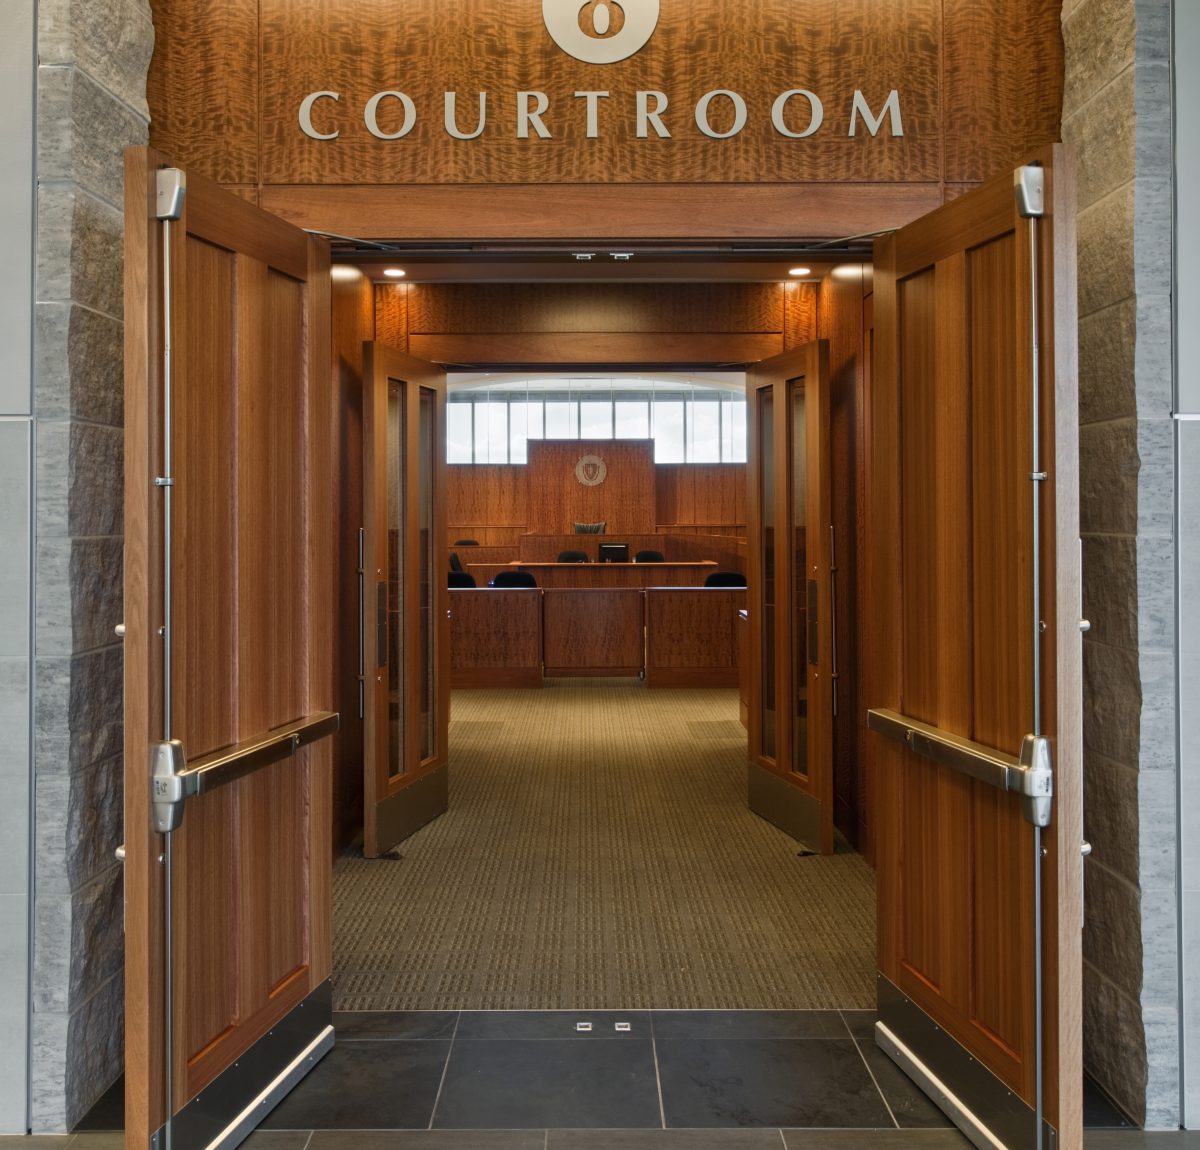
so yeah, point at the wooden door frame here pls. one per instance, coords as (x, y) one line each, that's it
(1061, 583)
(383, 362)
(145, 1088)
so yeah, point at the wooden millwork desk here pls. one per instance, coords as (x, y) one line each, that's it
(606, 575)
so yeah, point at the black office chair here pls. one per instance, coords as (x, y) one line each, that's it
(456, 562)
(649, 557)
(460, 579)
(513, 579)
(466, 543)
(572, 557)
(725, 579)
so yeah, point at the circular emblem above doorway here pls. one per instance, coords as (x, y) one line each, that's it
(591, 470)
(600, 31)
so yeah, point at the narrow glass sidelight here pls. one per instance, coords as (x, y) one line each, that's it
(766, 488)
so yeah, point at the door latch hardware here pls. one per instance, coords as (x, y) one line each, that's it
(170, 185)
(1034, 780)
(1085, 848)
(1029, 183)
(167, 785)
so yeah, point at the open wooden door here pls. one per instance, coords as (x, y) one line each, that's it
(974, 670)
(228, 667)
(406, 653)
(790, 772)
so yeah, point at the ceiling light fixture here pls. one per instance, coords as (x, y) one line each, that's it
(343, 273)
(395, 273)
(799, 271)
(622, 256)
(584, 255)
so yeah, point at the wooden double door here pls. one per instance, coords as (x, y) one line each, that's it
(969, 493)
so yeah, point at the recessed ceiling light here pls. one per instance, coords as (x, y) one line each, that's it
(395, 273)
(799, 271)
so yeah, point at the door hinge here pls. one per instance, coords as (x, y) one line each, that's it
(1029, 183)
(171, 188)
(167, 785)
(1034, 779)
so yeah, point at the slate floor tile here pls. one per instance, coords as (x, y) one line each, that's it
(909, 1104)
(428, 1140)
(368, 1025)
(510, 1084)
(860, 1023)
(664, 1140)
(490, 1024)
(767, 1082)
(875, 1140)
(366, 1085)
(749, 1024)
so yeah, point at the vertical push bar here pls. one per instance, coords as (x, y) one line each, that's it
(170, 191)
(1030, 188)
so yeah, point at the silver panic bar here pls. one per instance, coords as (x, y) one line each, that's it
(1029, 776)
(222, 767)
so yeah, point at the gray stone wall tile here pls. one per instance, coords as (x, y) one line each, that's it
(14, 533)
(77, 713)
(1157, 737)
(1112, 703)
(1110, 589)
(80, 595)
(78, 942)
(1156, 477)
(79, 825)
(1162, 1085)
(80, 366)
(1102, 131)
(1153, 30)
(1153, 356)
(48, 1072)
(14, 961)
(1108, 478)
(1189, 758)
(1158, 802)
(1160, 943)
(1098, 37)
(1105, 238)
(1189, 537)
(95, 1047)
(82, 129)
(1154, 609)
(81, 479)
(1107, 343)
(1110, 815)
(1114, 1042)
(111, 40)
(1112, 942)
(80, 250)
(14, 776)
(1191, 997)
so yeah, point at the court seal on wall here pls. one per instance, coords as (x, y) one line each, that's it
(591, 470)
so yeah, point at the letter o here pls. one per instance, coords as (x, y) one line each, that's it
(816, 117)
(739, 114)
(306, 109)
(371, 115)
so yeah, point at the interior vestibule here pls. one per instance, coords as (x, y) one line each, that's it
(617, 327)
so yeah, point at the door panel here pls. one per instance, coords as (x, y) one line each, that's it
(791, 652)
(406, 598)
(245, 646)
(955, 544)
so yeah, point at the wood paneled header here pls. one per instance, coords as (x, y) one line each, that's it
(764, 92)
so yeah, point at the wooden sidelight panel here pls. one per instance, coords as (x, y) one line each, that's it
(228, 564)
(790, 773)
(405, 599)
(973, 496)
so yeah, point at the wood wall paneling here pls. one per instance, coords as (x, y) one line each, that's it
(691, 639)
(840, 316)
(619, 574)
(486, 495)
(391, 315)
(625, 500)
(353, 315)
(593, 632)
(800, 314)
(588, 350)
(496, 638)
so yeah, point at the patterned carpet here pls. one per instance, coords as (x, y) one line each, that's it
(597, 854)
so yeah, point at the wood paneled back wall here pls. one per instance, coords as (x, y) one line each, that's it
(495, 502)
(976, 85)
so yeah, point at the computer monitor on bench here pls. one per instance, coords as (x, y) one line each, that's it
(612, 552)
